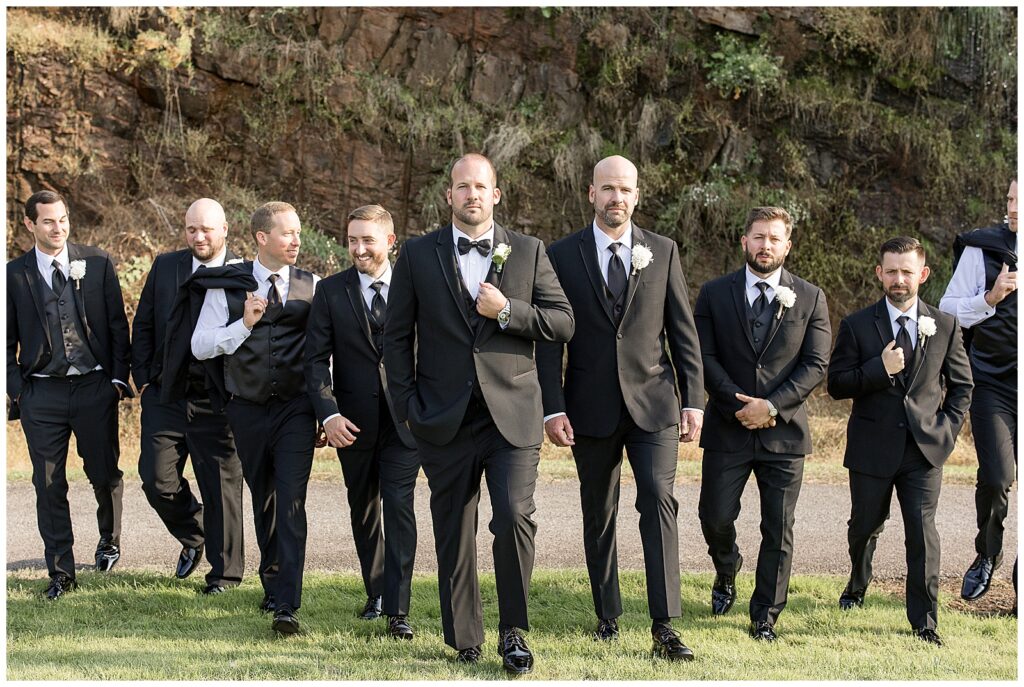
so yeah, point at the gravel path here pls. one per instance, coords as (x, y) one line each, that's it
(820, 534)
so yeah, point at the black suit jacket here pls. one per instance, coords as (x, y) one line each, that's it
(610, 364)
(100, 305)
(791, 364)
(338, 327)
(433, 355)
(931, 406)
(149, 327)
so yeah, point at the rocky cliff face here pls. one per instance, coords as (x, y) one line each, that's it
(862, 122)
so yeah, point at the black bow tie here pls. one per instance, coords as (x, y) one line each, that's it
(483, 246)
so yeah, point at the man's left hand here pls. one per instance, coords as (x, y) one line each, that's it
(690, 423)
(490, 301)
(753, 415)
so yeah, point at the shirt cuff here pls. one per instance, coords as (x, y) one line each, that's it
(330, 417)
(552, 415)
(118, 381)
(981, 307)
(238, 330)
(695, 410)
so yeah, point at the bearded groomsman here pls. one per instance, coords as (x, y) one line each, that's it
(378, 456)
(188, 426)
(467, 304)
(764, 339)
(903, 363)
(261, 334)
(983, 296)
(67, 359)
(622, 390)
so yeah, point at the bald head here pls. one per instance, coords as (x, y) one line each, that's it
(473, 194)
(475, 159)
(614, 194)
(206, 229)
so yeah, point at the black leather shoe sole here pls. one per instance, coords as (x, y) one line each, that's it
(286, 625)
(513, 669)
(105, 561)
(187, 564)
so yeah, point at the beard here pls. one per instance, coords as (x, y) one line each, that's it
(371, 266)
(467, 217)
(763, 269)
(204, 253)
(898, 298)
(616, 220)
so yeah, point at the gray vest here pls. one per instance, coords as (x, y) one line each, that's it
(67, 333)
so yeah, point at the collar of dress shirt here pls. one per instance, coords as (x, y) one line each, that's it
(895, 312)
(45, 262)
(366, 280)
(489, 234)
(215, 261)
(262, 273)
(772, 279)
(603, 240)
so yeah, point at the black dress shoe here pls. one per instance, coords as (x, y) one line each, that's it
(668, 645)
(723, 591)
(285, 622)
(269, 603)
(213, 589)
(928, 635)
(470, 655)
(763, 631)
(59, 585)
(979, 576)
(607, 630)
(516, 657)
(399, 627)
(107, 555)
(851, 598)
(188, 561)
(371, 611)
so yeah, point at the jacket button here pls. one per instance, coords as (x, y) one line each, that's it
(619, 335)
(382, 366)
(476, 350)
(375, 394)
(60, 302)
(759, 365)
(469, 383)
(757, 340)
(274, 383)
(901, 425)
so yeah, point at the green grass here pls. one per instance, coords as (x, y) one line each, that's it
(133, 625)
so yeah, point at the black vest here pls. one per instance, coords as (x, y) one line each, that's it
(994, 345)
(270, 361)
(760, 327)
(67, 333)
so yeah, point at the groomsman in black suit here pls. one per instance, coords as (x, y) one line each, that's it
(188, 426)
(622, 390)
(467, 304)
(378, 456)
(903, 363)
(764, 338)
(67, 361)
(262, 334)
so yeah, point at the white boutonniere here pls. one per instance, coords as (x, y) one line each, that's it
(786, 298)
(233, 261)
(500, 256)
(642, 257)
(925, 328)
(77, 271)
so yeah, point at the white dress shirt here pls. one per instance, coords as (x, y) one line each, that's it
(753, 278)
(473, 266)
(604, 256)
(911, 313)
(965, 294)
(213, 336)
(366, 281)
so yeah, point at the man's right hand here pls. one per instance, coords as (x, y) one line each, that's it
(1004, 285)
(255, 306)
(559, 431)
(892, 358)
(340, 431)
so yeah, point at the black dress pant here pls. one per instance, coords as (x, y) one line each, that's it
(384, 473)
(275, 443)
(653, 457)
(171, 432)
(917, 484)
(779, 476)
(51, 409)
(994, 423)
(453, 473)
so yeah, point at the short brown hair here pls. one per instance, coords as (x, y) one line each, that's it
(768, 214)
(900, 245)
(376, 214)
(42, 198)
(263, 218)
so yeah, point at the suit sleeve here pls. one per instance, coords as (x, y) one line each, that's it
(813, 361)
(548, 317)
(400, 337)
(681, 333)
(13, 371)
(849, 376)
(956, 372)
(319, 345)
(118, 324)
(549, 367)
(143, 331)
(717, 381)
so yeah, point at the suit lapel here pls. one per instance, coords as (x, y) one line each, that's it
(35, 286)
(446, 256)
(884, 326)
(739, 298)
(923, 310)
(185, 267)
(355, 297)
(785, 279)
(78, 289)
(493, 276)
(633, 276)
(588, 252)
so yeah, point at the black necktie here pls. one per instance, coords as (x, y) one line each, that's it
(483, 246)
(377, 305)
(904, 342)
(761, 302)
(616, 273)
(57, 281)
(273, 295)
